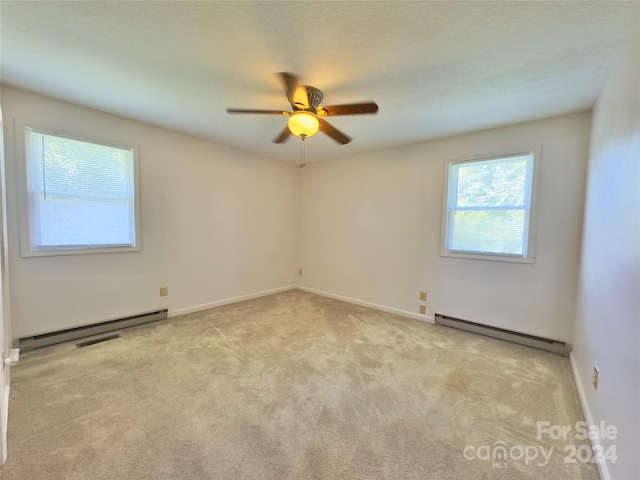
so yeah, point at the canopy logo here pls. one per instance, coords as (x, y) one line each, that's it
(499, 453)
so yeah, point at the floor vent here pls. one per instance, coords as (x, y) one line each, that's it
(61, 336)
(97, 340)
(542, 343)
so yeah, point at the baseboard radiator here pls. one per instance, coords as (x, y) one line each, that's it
(46, 339)
(554, 346)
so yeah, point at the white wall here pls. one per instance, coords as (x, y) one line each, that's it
(370, 230)
(5, 315)
(607, 328)
(216, 224)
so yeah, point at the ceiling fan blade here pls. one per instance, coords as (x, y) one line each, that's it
(296, 93)
(284, 135)
(248, 110)
(334, 133)
(290, 81)
(350, 109)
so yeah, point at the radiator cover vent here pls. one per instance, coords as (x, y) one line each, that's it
(542, 343)
(97, 340)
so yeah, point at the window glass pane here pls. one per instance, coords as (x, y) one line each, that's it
(79, 168)
(496, 231)
(82, 193)
(76, 222)
(492, 183)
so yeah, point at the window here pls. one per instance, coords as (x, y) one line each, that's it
(488, 208)
(81, 196)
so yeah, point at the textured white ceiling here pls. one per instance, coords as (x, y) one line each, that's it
(434, 68)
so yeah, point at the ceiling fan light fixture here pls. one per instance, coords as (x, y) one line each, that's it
(307, 117)
(303, 124)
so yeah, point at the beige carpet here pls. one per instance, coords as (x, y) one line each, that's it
(289, 386)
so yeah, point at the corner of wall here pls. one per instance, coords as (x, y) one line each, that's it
(605, 327)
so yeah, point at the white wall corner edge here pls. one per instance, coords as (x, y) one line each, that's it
(595, 442)
(375, 306)
(226, 301)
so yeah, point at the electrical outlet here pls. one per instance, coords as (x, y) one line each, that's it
(423, 296)
(164, 291)
(423, 309)
(596, 375)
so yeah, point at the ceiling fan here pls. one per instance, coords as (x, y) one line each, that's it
(308, 117)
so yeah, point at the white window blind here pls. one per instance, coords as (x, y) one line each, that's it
(488, 206)
(81, 193)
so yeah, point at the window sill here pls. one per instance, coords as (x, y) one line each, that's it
(488, 257)
(78, 251)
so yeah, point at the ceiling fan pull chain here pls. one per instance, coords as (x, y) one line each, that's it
(303, 152)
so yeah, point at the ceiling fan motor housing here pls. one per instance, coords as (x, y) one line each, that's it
(313, 94)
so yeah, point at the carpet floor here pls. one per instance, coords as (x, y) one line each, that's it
(292, 386)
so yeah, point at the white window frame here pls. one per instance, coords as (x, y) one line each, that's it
(25, 201)
(530, 226)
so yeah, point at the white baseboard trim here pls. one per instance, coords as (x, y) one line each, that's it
(218, 303)
(595, 442)
(375, 306)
